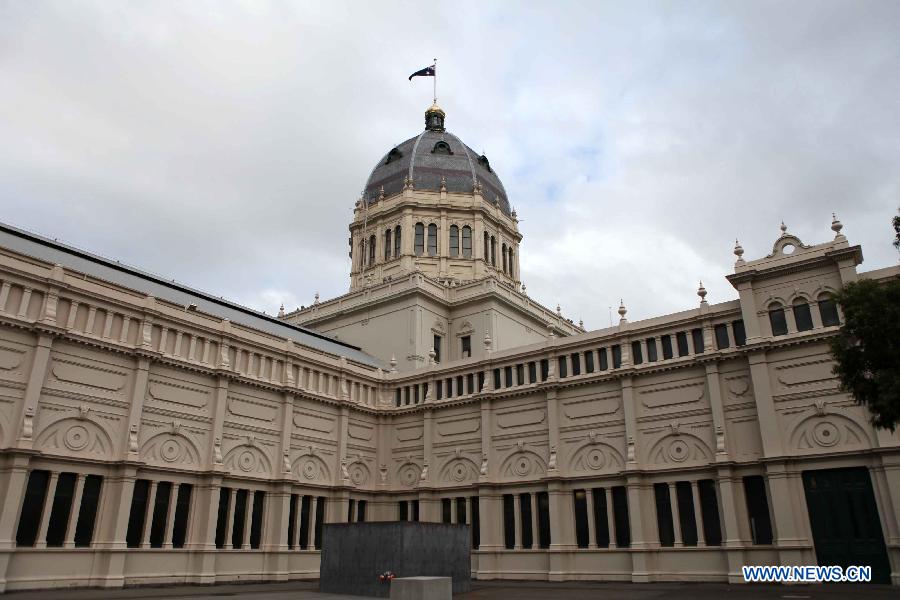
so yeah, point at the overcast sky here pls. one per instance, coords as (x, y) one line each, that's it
(224, 144)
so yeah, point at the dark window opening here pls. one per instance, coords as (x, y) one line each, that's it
(476, 522)
(467, 242)
(396, 241)
(589, 361)
(361, 511)
(403, 507)
(371, 250)
(507, 376)
(684, 495)
(470, 383)
(697, 338)
(292, 520)
(545, 369)
(637, 356)
(32, 508)
(602, 360)
(160, 514)
(520, 374)
(182, 511)
(581, 518)
(138, 514)
(259, 503)
(509, 521)
(387, 244)
(432, 240)
(221, 519)
(461, 511)
(651, 350)
(532, 372)
(601, 522)
(87, 515)
(238, 519)
(320, 518)
(777, 320)
(439, 388)
(393, 155)
(525, 511)
(576, 364)
(802, 315)
(446, 510)
(709, 507)
(758, 509)
(437, 348)
(621, 519)
(60, 510)
(305, 503)
(497, 385)
(666, 346)
(664, 522)
(441, 147)
(466, 344)
(415, 510)
(740, 335)
(828, 311)
(563, 371)
(681, 342)
(419, 246)
(543, 500)
(454, 241)
(617, 356)
(721, 331)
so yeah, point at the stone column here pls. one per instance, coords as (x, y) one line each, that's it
(698, 513)
(170, 515)
(610, 518)
(535, 527)
(517, 512)
(229, 519)
(676, 515)
(313, 508)
(641, 529)
(783, 506)
(148, 515)
(248, 518)
(41, 539)
(592, 528)
(201, 536)
(733, 511)
(73, 512)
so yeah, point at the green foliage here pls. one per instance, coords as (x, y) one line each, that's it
(867, 350)
(897, 231)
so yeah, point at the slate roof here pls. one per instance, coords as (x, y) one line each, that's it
(51, 251)
(418, 161)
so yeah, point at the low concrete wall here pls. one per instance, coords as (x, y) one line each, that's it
(355, 554)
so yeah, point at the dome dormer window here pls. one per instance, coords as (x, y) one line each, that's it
(441, 147)
(393, 155)
(484, 162)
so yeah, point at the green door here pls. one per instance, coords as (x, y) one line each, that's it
(844, 519)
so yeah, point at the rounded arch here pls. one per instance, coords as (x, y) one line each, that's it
(75, 436)
(680, 449)
(249, 459)
(459, 469)
(397, 231)
(432, 239)
(523, 464)
(170, 450)
(419, 240)
(596, 457)
(822, 430)
(309, 467)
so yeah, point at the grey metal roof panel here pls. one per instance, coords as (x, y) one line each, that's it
(51, 251)
(427, 168)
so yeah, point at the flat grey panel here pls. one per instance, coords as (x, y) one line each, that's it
(355, 554)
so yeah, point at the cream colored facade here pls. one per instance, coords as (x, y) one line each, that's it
(161, 437)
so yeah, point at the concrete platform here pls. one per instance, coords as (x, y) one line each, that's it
(422, 588)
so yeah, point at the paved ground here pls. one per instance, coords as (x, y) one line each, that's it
(492, 591)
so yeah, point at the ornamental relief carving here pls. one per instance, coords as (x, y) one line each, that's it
(523, 464)
(672, 395)
(828, 432)
(408, 474)
(170, 450)
(89, 375)
(680, 449)
(11, 359)
(359, 473)
(311, 468)
(78, 436)
(459, 470)
(175, 393)
(596, 457)
(248, 459)
(520, 418)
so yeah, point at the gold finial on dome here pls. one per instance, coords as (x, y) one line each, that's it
(434, 118)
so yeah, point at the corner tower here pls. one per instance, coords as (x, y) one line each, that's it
(435, 206)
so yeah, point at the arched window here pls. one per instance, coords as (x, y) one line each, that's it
(512, 271)
(387, 245)
(397, 241)
(362, 253)
(432, 240)
(777, 319)
(441, 147)
(503, 252)
(420, 239)
(467, 242)
(454, 240)
(487, 249)
(802, 315)
(393, 155)
(493, 251)
(371, 250)
(828, 311)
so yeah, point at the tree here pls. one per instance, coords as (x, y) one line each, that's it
(897, 230)
(867, 350)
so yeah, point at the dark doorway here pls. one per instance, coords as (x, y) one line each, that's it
(844, 518)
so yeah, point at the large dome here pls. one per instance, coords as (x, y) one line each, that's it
(433, 154)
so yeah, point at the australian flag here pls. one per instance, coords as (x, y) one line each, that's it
(426, 72)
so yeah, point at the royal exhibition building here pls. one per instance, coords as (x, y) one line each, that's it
(153, 434)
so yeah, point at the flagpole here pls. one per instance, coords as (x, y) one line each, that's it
(435, 81)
